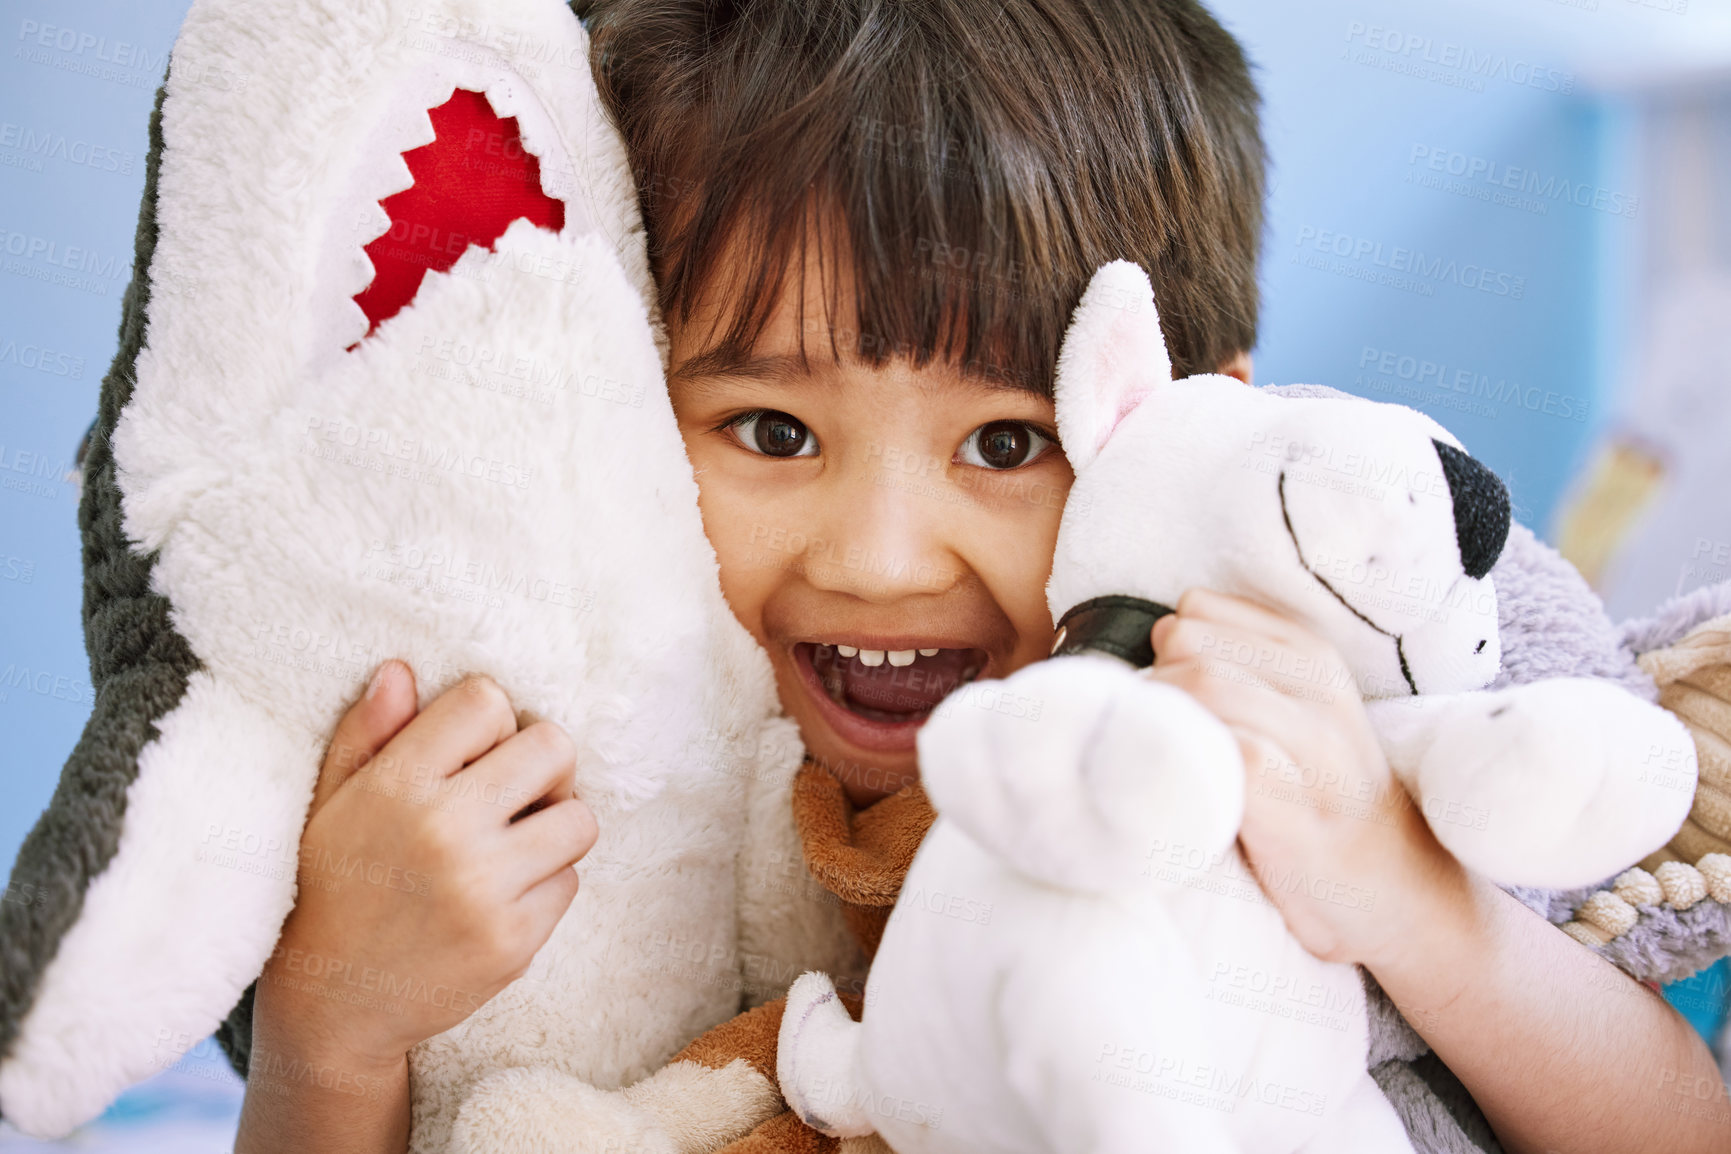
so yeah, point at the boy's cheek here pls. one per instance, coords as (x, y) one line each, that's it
(748, 579)
(742, 543)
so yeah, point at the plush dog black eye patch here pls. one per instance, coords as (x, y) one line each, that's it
(1481, 503)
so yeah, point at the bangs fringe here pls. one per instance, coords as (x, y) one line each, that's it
(971, 163)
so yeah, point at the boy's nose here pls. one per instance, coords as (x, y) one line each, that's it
(1481, 502)
(888, 540)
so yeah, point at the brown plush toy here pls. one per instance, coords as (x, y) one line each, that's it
(860, 856)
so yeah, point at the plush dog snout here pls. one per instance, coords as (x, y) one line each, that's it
(1481, 503)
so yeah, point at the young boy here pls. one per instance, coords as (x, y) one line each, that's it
(869, 220)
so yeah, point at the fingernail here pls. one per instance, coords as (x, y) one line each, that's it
(378, 681)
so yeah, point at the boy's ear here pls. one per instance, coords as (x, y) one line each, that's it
(1113, 355)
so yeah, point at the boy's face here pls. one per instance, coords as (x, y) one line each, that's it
(885, 534)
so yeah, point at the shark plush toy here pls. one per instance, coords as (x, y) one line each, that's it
(390, 384)
(1100, 1008)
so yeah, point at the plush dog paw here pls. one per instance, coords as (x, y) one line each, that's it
(1557, 783)
(1070, 769)
(817, 1060)
(545, 1111)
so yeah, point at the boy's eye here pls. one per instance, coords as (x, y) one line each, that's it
(774, 434)
(1003, 445)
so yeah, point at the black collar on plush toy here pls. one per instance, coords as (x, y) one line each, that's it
(1117, 624)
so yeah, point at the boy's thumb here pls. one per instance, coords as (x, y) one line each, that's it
(385, 707)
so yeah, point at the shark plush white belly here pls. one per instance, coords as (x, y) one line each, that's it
(300, 475)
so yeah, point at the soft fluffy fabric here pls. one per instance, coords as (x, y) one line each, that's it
(865, 849)
(1371, 525)
(788, 921)
(860, 858)
(1440, 1116)
(491, 482)
(1676, 617)
(1551, 625)
(1665, 944)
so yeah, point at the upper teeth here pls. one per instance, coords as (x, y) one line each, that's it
(875, 657)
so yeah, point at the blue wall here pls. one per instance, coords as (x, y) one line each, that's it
(76, 90)
(1345, 130)
(1423, 244)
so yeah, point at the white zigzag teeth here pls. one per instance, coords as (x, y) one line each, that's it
(353, 323)
(423, 133)
(438, 91)
(502, 95)
(507, 96)
(374, 222)
(383, 173)
(355, 274)
(398, 171)
(409, 128)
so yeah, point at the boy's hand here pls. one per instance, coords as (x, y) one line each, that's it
(1334, 839)
(419, 896)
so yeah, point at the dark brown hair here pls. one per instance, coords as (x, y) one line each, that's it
(977, 158)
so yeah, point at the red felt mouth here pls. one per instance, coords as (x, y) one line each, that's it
(471, 182)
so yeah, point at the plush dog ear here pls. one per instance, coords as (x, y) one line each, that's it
(1113, 355)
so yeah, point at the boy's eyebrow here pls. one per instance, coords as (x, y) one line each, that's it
(790, 368)
(780, 368)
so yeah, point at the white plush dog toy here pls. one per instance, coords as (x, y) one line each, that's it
(1100, 1007)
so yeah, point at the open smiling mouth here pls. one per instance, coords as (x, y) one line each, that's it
(894, 688)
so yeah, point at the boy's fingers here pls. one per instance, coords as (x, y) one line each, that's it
(1224, 609)
(1158, 634)
(1245, 701)
(550, 841)
(459, 726)
(385, 707)
(546, 901)
(1228, 646)
(1262, 756)
(537, 763)
(1237, 654)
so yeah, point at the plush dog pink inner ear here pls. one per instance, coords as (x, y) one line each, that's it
(1114, 355)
